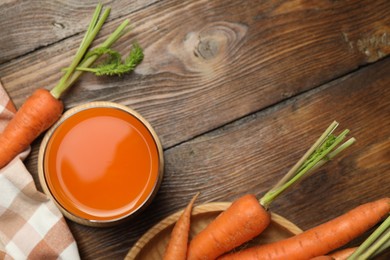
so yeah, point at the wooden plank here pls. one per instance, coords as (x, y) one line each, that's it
(251, 154)
(208, 63)
(28, 25)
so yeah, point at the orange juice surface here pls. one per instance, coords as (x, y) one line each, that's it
(101, 164)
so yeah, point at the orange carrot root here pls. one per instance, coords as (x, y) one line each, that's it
(322, 239)
(178, 243)
(343, 254)
(242, 221)
(322, 257)
(40, 111)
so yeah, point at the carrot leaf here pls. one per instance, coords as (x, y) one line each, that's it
(113, 65)
(323, 150)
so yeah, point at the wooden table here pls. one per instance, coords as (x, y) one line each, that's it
(236, 90)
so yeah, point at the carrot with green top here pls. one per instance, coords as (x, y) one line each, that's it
(322, 239)
(178, 242)
(43, 108)
(247, 217)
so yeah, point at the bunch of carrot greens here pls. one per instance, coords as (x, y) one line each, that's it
(248, 217)
(43, 108)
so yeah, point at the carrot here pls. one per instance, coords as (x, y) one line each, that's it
(321, 239)
(43, 108)
(242, 221)
(343, 254)
(178, 243)
(322, 257)
(37, 114)
(374, 244)
(247, 217)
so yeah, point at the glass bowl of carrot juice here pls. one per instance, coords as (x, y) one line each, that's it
(101, 163)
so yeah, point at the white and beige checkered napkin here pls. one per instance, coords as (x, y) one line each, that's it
(31, 227)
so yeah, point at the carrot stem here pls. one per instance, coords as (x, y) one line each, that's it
(376, 242)
(380, 245)
(93, 29)
(319, 141)
(80, 59)
(382, 248)
(92, 23)
(333, 154)
(91, 59)
(83, 59)
(317, 155)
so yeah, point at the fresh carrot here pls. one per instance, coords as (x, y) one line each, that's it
(375, 244)
(322, 239)
(242, 221)
(43, 108)
(343, 254)
(247, 217)
(372, 246)
(178, 242)
(322, 257)
(36, 115)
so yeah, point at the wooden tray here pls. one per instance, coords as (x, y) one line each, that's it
(152, 244)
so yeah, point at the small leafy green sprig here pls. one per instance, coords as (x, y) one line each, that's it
(113, 64)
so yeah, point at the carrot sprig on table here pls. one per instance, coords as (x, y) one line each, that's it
(43, 108)
(247, 217)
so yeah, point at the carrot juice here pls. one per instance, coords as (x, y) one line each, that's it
(102, 164)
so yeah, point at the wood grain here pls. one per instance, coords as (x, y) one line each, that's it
(31, 25)
(236, 91)
(202, 69)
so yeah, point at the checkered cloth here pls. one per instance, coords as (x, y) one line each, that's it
(31, 227)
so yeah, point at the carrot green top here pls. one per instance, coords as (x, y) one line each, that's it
(323, 150)
(83, 59)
